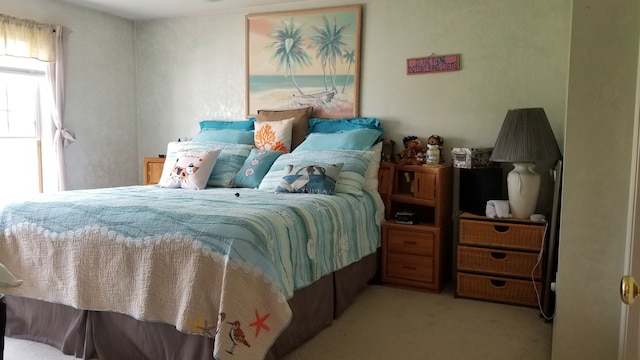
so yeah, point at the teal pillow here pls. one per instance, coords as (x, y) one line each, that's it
(336, 125)
(310, 179)
(223, 124)
(231, 136)
(255, 168)
(361, 139)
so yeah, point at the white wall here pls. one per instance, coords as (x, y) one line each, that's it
(100, 91)
(513, 54)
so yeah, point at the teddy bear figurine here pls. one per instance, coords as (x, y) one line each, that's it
(414, 153)
(435, 142)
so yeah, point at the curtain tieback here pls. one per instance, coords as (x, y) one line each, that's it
(67, 136)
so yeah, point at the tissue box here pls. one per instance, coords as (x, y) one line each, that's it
(472, 157)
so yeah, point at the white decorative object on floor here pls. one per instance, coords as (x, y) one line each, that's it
(7, 279)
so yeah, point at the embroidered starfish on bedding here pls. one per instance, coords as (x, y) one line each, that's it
(260, 323)
(202, 327)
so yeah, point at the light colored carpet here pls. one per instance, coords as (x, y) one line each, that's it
(391, 323)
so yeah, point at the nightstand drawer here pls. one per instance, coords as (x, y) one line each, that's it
(501, 234)
(410, 267)
(410, 242)
(495, 288)
(503, 262)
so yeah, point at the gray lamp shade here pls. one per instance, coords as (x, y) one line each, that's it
(526, 136)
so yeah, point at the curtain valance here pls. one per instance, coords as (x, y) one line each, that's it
(27, 38)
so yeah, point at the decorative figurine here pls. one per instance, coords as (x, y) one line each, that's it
(436, 141)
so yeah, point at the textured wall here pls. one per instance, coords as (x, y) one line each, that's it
(513, 54)
(100, 92)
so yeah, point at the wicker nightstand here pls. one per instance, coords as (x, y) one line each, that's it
(498, 259)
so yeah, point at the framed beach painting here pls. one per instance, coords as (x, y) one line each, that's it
(304, 58)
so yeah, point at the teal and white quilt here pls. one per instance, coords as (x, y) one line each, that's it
(218, 262)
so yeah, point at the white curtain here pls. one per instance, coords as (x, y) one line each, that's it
(62, 137)
(30, 39)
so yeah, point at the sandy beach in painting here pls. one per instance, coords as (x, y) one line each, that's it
(341, 105)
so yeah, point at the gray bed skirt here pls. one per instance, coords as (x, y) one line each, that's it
(106, 335)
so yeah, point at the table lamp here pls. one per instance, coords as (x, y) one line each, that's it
(525, 138)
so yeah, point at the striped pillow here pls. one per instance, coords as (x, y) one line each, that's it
(350, 180)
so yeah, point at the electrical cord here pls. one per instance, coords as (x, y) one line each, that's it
(539, 260)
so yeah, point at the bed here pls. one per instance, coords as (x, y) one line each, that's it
(155, 272)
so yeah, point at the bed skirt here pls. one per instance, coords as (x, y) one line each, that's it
(107, 335)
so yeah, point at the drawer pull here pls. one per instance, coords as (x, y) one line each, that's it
(498, 255)
(500, 228)
(498, 283)
(410, 242)
(409, 267)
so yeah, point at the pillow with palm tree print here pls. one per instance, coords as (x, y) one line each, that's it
(310, 179)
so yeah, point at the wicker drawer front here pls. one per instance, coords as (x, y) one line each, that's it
(505, 235)
(410, 267)
(495, 288)
(410, 242)
(502, 262)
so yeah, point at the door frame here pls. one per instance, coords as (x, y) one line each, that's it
(630, 314)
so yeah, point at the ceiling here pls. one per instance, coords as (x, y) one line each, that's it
(154, 9)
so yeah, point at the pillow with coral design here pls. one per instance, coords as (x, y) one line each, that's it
(274, 135)
(300, 124)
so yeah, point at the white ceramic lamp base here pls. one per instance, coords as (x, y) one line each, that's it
(523, 184)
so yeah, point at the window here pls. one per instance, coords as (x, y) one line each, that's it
(21, 81)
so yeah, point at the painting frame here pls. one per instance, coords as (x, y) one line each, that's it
(293, 60)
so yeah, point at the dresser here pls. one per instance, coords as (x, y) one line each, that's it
(152, 170)
(500, 259)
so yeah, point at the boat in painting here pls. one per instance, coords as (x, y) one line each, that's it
(315, 98)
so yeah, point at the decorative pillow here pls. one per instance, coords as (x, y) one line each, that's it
(300, 124)
(310, 179)
(219, 124)
(274, 135)
(190, 170)
(229, 161)
(350, 180)
(336, 125)
(231, 136)
(371, 176)
(255, 167)
(361, 139)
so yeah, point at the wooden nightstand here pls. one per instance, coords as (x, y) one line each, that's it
(497, 259)
(418, 254)
(385, 186)
(152, 170)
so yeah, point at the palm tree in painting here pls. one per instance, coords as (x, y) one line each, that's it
(350, 57)
(289, 51)
(330, 45)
